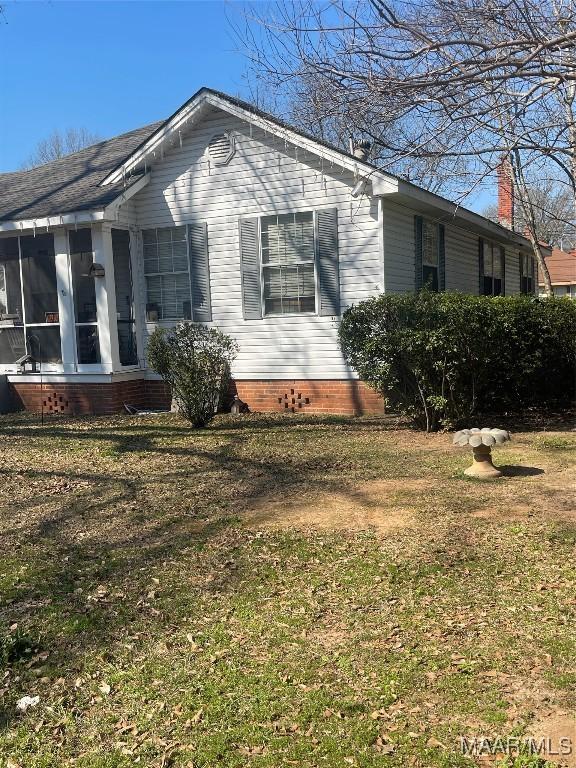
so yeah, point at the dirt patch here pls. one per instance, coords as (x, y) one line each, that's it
(329, 638)
(556, 732)
(371, 506)
(552, 723)
(552, 497)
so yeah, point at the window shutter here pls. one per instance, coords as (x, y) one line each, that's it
(521, 274)
(503, 269)
(418, 252)
(199, 272)
(480, 266)
(250, 270)
(328, 270)
(441, 258)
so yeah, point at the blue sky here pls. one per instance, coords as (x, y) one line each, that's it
(107, 66)
(112, 66)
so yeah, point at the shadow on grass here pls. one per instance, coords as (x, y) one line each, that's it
(113, 528)
(517, 470)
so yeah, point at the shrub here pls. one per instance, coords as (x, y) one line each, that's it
(195, 361)
(440, 358)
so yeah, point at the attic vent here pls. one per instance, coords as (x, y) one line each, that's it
(221, 148)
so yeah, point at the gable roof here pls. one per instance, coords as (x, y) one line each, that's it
(561, 266)
(192, 109)
(98, 175)
(69, 184)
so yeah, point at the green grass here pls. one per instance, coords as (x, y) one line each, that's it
(159, 629)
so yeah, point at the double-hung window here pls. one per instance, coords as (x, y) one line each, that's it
(430, 260)
(527, 274)
(493, 269)
(430, 255)
(167, 274)
(288, 263)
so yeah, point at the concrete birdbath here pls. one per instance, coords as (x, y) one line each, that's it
(481, 442)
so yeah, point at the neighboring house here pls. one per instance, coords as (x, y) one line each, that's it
(222, 215)
(562, 269)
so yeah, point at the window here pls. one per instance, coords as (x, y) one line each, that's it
(84, 292)
(430, 255)
(493, 265)
(287, 248)
(527, 274)
(167, 274)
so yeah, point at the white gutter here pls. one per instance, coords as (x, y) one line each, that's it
(421, 198)
(60, 220)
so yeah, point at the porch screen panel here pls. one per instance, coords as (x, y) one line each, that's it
(124, 297)
(84, 292)
(41, 317)
(12, 344)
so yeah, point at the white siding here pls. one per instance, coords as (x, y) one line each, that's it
(127, 214)
(512, 271)
(399, 272)
(266, 175)
(462, 249)
(461, 254)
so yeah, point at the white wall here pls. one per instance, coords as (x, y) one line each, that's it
(461, 248)
(265, 176)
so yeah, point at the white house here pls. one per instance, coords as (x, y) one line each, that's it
(224, 215)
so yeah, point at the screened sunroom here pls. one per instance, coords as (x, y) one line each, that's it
(67, 300)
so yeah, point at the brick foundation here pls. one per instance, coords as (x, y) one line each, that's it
(85, 399)
(348, 398)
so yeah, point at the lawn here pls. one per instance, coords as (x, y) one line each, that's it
(291, 591)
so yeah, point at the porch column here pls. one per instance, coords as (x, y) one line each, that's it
(106, 299)
(65, 303)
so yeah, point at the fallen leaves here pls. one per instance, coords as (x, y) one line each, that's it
(186, 638)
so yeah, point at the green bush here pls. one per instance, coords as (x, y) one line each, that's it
(441, 358)
(195, 361)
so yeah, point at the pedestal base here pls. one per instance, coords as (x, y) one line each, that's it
(482, 466)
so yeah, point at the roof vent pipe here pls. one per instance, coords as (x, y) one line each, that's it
(361, 149)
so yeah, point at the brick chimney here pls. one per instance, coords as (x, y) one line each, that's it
(505, 194)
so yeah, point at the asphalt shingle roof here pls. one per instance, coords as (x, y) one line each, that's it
(71, 183)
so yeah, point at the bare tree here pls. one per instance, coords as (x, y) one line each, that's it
(554, 214)
(59, 144)
(447, 85)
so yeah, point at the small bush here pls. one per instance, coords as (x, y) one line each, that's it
(195, 361)
(441, 358)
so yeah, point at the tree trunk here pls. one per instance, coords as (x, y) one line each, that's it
(529, 217)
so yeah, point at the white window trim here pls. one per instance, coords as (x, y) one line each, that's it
(494, 246)
(425, 264)
(81, 367)
(146, 275)
(314, 263)
(533, 275)
(60, 290)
